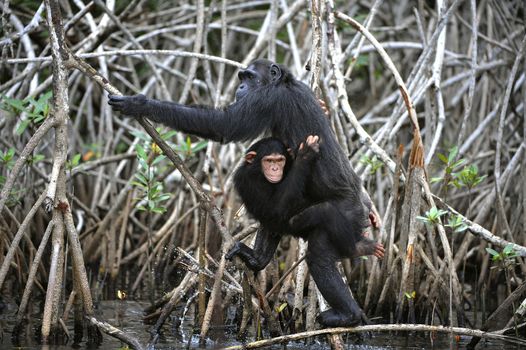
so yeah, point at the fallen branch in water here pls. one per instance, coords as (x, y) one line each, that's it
(116, 333)
(380, 328)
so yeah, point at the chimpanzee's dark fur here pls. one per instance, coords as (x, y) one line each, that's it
(270, 100)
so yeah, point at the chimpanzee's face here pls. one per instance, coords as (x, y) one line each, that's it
(258, 73)
(273, 166)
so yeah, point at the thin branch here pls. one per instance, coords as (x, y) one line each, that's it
(379, 328)
(110, 330)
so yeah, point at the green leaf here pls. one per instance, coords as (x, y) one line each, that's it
(37, 158)
(456, 183)
(452, 154)
(143, 180)
(480, 179)
(38, 119)
(22, 126)
(422, 218)
(143, 165)
(508, 249)
(141, 135)
(492, 252)
(436, 179)
(463, 227)
(169, 134)
(199, 146)
(163, 197)
(159, 210)
(139, 184)
(76, 159)
(458, 163)
(16, 105)
(140, 152)
(443, 158)
(158, 159)
(281, 307)
(10, 153)
(154, 191)
(42, 104)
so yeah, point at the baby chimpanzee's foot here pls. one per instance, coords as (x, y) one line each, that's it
(366, 246)
(333, 318)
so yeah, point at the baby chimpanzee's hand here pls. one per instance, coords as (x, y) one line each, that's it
(309, 149)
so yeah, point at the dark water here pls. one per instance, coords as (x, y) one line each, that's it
(127, 315)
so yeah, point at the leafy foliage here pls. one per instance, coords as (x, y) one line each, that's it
(507, 252)
(35, 158)
(373, 163)
(70, 164)
(146, 181)
(450, 164)
(432, 216)
(506, 259)
(456, 223)
(35, 110)
(7, 158)
(188, 149)
(468, 177)
(151, 189)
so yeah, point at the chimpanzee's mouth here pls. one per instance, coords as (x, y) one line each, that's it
(274, 178)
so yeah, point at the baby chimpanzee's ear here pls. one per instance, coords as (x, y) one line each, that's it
(249, 157)
(291, 152)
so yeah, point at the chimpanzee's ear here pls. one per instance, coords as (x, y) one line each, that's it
(291, 152)
(249, 157)
(275, 73)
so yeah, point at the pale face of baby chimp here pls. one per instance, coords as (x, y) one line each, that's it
(272, 165)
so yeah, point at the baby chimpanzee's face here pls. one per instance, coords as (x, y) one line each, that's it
(273, 166)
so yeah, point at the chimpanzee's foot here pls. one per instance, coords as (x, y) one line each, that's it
(333, 318)
(365, 246)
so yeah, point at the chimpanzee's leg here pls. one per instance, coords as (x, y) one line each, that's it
(321, 259)
(258, 257)
(309, 218)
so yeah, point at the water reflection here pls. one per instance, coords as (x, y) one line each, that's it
(178, 334)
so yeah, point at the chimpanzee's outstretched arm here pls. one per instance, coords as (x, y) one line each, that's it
(235, 123)
(259, 257)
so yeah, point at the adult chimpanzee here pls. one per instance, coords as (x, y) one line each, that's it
(273, 189)
(270, 100)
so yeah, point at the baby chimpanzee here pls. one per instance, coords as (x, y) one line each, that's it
(273, 188)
